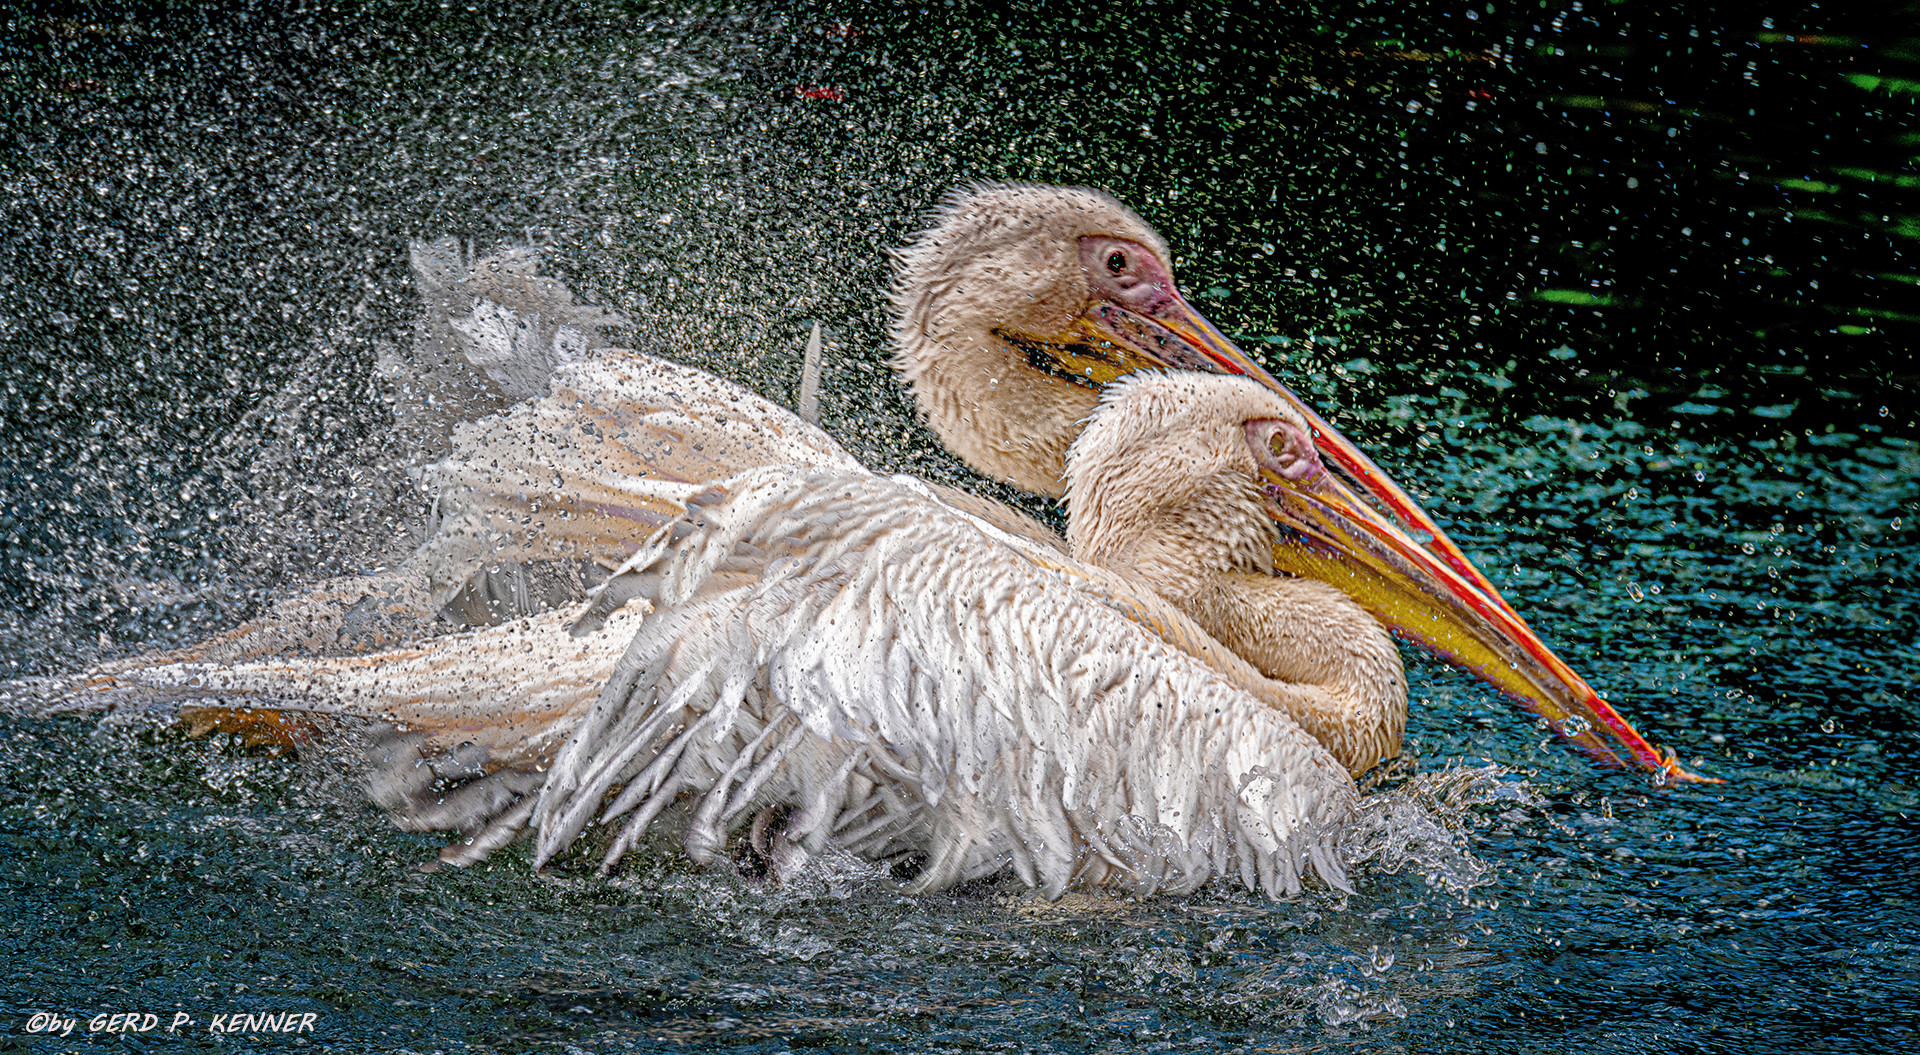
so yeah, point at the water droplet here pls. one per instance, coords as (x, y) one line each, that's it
(1826, 726)
(1382, 958)
(1633, 590)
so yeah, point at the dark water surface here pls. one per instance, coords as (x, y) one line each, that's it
(1627, 295)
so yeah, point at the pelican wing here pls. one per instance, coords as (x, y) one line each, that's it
(902, 680)
(615, 450)
(510, 689)
(589, 471)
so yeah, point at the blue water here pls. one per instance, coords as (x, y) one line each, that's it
(1630, 308)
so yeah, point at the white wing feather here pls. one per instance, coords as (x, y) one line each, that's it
(615, 450)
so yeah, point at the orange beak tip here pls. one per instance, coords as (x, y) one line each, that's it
(1672, 772)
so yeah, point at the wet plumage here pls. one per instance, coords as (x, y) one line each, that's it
(807, 655)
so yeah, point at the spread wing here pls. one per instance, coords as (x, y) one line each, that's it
(592, 469)
(891, 676)
(558, 489)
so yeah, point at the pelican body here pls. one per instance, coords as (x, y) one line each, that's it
(842, 660)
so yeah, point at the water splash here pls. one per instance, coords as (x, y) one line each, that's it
(1424, 826)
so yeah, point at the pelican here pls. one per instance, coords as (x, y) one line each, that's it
(1208, 542)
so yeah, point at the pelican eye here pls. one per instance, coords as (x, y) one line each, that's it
(1116, 261)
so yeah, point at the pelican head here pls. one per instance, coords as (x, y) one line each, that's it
(1169, 484)
(1021, 303)
(1165, 481)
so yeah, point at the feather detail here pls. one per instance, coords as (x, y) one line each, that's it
(1056, 738)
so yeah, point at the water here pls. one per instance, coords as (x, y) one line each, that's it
(1678, 429)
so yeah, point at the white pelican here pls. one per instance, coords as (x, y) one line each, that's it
(1015, 310)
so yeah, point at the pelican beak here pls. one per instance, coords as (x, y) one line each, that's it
(1111, 340)
(1361, 532)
